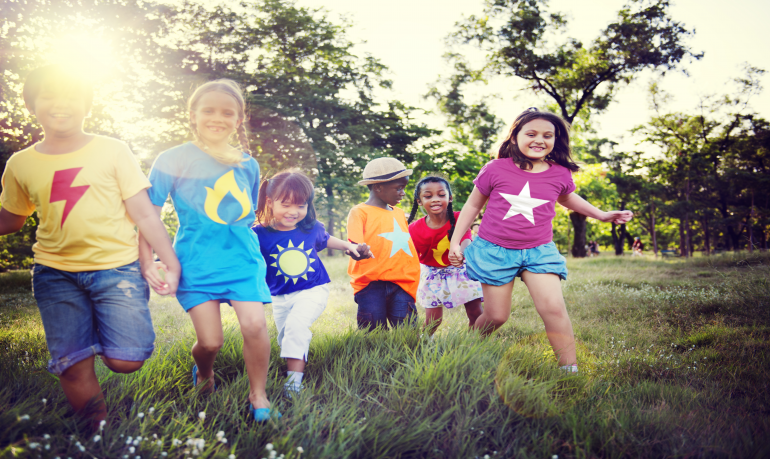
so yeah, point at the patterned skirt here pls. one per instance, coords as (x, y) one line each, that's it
(448, 287)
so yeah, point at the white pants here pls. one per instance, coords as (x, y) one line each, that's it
(294, 313)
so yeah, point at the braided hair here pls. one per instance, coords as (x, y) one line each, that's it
(230, 88)
(416, 203)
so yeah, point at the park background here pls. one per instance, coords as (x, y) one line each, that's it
(667, 109)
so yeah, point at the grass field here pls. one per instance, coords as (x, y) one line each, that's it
(674, 354)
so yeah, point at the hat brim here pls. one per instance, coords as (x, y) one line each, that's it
(401, 174)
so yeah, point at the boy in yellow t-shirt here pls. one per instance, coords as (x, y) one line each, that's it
(385, 286)
(89, 192)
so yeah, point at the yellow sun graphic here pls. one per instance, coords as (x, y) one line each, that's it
(293, 262)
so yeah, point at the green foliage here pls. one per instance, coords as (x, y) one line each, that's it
(520, 39)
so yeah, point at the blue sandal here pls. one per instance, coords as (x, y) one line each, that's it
(265, 414)
(195, 377)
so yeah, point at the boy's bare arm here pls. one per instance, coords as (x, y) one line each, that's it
(153, 233)
(10, 222)
(356, 251)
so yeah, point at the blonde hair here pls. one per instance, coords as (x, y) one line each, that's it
(230, 88)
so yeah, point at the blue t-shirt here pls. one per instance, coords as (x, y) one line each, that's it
(292, 258)
(216, 206)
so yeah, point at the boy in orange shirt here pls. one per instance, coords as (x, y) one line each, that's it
(385, 286)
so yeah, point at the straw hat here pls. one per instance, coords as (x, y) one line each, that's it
(384, 170)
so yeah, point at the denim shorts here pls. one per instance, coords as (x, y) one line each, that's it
(491, 264)
(381, 302)
(94, 312)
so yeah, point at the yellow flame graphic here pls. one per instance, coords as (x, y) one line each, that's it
(222, 186)
(440, 250)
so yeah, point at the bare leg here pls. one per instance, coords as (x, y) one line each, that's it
(433, 318)
(122, 366)
(497, 307)
(473, 310)
(256, 349)
(545, 290)
(81, 387)
(295, 365)
(208, 329)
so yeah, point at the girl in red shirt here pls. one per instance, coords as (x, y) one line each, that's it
(441, 284)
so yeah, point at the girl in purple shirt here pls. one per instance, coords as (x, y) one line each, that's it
(520, 188)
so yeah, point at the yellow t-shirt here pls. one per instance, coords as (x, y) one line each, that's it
(395, 258)
(79, 198)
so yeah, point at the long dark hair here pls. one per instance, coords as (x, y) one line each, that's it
(561, 153)
(288, 186)
(416, 203)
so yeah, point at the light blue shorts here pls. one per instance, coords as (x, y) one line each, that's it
(491, 264)
(94, 312)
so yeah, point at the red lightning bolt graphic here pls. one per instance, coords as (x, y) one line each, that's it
(62, 190)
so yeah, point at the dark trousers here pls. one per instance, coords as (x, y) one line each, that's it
(383, 302)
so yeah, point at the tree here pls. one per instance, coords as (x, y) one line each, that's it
(520, 39)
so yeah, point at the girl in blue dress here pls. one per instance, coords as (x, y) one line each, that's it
(214, 188)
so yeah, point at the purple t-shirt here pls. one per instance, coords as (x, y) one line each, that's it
(521, 204)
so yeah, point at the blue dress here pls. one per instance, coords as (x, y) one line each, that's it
(215, 203)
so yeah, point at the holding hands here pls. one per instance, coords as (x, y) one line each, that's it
(456, 255)
(162, 279)
(358, 251)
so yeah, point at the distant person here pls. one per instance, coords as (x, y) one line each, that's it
(474, 230)
(520, 188)
(593, 249)
(290, 238)
(441, 284)
(385, 286)
(215, 187)
(637, 247)
(89, 193)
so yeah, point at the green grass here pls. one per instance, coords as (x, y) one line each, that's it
(674, 354)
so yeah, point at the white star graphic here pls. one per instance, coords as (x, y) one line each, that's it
(399, 238)
(522, 204)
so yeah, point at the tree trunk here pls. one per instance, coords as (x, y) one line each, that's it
(682, 240)
(652, 228)
(619, 234)
(579, 242)
(751, 225)
(330, 214)
(706, 236)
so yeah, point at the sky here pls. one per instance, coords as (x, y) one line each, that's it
(408, 36)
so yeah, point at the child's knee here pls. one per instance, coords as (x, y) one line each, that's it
(254, 326)
(211, 345)
(498, 318)
(122, 366)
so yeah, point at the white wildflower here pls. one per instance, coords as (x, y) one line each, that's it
(101, 424)
(97, 438)
(46, 437)
(300, 449)
(269, 446)
(44, 401)
(34, 445)
(220, 434)
(202, 415)
(140, 415)
(232, 456)
(131, 450)
(24, 417)
(151, 410)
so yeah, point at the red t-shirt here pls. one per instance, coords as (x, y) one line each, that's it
(433, 244)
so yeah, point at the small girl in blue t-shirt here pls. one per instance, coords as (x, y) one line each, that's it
(290, 238)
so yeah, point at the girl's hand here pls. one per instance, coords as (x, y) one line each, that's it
(359, 252)
(618, 216)
(157, 281)
(456, 255)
